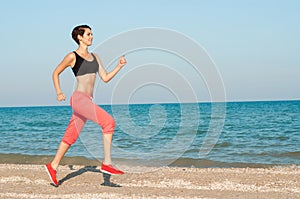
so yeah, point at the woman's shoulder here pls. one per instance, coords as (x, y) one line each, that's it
(70, 56)
(69, 59)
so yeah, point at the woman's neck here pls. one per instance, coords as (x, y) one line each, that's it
(83, 49)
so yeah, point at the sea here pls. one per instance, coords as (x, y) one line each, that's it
(231, 134)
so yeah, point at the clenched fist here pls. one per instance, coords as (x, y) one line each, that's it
(122, 61)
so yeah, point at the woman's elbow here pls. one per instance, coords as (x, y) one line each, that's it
(55, 74)
(105, 80)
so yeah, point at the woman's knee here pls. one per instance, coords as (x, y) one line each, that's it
(109, 126)
(70, 139)
(72, 131)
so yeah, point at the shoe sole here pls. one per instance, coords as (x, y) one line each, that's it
(50, 175)
(107, 172)
(103, 171)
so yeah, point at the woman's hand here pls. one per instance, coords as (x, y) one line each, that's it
(61, 97)
(122, 61)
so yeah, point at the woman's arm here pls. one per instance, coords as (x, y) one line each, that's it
(105, 76)
(68, 60)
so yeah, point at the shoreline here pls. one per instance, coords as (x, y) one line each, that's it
(181, 162)
(77, 181)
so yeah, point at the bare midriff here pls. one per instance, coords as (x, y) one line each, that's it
(85, 83)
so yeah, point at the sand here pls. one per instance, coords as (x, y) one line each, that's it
(86, 182)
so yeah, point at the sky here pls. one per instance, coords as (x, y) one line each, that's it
(254, 45)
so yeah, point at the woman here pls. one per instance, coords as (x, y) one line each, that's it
(84, 65)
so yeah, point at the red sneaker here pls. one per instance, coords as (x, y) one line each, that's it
(109, 169)
(52, 174)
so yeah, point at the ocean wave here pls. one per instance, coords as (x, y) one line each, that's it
(292, 154)
(41, 123)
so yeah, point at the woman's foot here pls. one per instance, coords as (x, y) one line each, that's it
(109, 169)
(52, 174)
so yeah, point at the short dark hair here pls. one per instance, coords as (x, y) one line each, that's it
(79, 30)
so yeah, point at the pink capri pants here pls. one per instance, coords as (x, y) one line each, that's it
(84, 109)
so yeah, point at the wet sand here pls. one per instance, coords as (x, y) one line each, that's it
(31, 181)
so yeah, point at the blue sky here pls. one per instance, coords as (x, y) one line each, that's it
(255, 44)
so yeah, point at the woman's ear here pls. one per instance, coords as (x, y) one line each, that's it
(79, 37)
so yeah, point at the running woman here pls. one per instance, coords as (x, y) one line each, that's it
(84, 65)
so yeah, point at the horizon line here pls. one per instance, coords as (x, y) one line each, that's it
(154, 103)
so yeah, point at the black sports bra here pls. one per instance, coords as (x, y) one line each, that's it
(83, 66)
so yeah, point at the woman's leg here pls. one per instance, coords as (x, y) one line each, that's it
(107, 142)
(103, 119)
(76, 124)
(72, 132)
(89, 110)
(62, 149)
(108, 125)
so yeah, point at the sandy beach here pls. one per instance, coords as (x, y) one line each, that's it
(31, 181)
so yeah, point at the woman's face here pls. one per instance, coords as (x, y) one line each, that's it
(87, 37)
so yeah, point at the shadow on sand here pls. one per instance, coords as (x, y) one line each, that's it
(106, 177)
